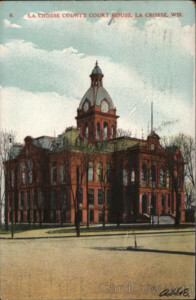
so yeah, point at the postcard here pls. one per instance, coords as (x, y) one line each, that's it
(97, 150)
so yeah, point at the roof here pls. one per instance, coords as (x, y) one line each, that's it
(95, 95)
(44, 142)
(96, 70)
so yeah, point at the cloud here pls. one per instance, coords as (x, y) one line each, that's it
(36, 114)
(8, 24)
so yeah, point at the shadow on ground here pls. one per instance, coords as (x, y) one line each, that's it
(140, 249)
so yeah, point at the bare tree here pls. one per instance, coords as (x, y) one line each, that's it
(7, 140)
(186, 145)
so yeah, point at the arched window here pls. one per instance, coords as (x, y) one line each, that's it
(30, 177)
(112, 132)
(105, 130)
(86, 131)
(153, 174)
(132, 175)
(98, 132)
(161, 177)
(144, 173)
(99, 172)
(125, 177)
(167, 179)
(144, 204)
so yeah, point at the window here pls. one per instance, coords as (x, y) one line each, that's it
(54, 199)
(86, 131)
(91, 216)
(21, 200)
(80, 195)
(54, 175)
(153, 174)
(99, 171)
(22, 178)
(29, 164)
(35, 199)
(62, 174)
(12, 178)
(100, 217)
(112, 132)
(108, 172)
(161, 177)
(144, 173)
(144, 204)
(167, 179)
(132, 176)
(90, 172)
(99, 197)
(152, 147)
(28, 200)
(108, 193)
(63, 199)
(98, 132)
(30, 177)
(105, 131)
(22, 166)
(125, 177)
(91, 196)
(41, 200)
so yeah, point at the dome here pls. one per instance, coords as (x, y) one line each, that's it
(95, 95)
(96, 70)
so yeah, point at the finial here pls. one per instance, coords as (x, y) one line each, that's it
(96, 63)
(152, 116)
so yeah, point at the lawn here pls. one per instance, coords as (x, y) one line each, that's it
(98, 267)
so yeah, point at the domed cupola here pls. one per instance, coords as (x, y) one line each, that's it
(96, 115)
(96, 93)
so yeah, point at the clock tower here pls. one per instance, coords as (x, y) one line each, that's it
(96, 115)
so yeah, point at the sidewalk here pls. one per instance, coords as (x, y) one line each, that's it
(97, 231)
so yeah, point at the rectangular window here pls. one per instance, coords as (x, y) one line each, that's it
(28, 200)
(91, 196)
(168, 200)
(21, 200)
(80, 195)
(108, 193)
(54, 175)
(21, 216)
(35, 199)
(91, 216)
(22, 177)
(63, 199)
(100, 217)
(54, 199)
(62, 174)
(108, 172)
(12, 178)
(99, 197)
(90, 172)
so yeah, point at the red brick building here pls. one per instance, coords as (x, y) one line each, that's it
(124, 179)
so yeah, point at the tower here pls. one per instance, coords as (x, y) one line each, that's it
(96, 115)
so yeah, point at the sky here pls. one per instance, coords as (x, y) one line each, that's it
(45, 64)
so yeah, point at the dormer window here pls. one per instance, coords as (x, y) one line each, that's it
(152, 147)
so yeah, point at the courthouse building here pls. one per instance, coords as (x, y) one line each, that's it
(120, 179)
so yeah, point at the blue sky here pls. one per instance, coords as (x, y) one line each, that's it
(45, 65)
